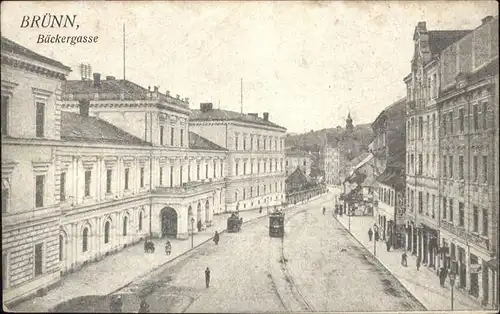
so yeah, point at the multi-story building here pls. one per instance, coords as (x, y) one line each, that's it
(452, 153)
(31, 121)
(330, 159)
(388, 149)
(298, 159)
(468, 114)
(422, 140)
(88, 168)
(256, 155)
(180, 176)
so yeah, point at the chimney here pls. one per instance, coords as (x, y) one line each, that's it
(187, 100)
(177, 96)
(265, 115)
(486, 19)
(206, 106)
(422, 26)
(84, 108)
(167, 93)
(156, 88)
(110, 78)
(97, 79)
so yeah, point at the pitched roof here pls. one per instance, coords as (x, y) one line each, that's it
(297, 177)
(78, 128)
(439, 40)
(12, 47)
(225, 115)
(112, 89)
(198, 142)
(391, 178)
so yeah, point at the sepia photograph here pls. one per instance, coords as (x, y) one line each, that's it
(250, 156)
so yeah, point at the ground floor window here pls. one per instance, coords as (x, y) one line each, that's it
(38, 259)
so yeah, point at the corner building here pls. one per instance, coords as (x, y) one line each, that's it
(30, 130)
(256, 155)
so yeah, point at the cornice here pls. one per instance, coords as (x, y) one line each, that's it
(8, 167)
(34, 68)
(8, 87)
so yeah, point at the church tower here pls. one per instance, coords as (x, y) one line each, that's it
(349, 126)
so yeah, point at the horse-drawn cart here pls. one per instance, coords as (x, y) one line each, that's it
(234, 223)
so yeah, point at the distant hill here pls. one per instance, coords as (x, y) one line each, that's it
(314, 140)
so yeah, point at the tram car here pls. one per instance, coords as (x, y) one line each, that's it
(277, 225)
(234, 223)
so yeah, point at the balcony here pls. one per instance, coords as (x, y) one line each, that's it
(464, 234)
(187, 187)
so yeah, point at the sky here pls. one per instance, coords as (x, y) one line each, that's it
(306, 63)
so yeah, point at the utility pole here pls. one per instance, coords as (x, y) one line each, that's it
(241, 94)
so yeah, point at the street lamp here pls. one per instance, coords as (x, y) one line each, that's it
(192, 232)
(452, 283)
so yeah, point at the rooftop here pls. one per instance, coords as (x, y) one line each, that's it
(198, 142)
(78, 128)
(439, 40)
(12, 47)
(297, 153)
(111, 88)
(226, 115)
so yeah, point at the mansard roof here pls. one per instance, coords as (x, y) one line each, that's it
(198, 142)
(12, 47)
(78, 128)
(439, 40)
(227, 115)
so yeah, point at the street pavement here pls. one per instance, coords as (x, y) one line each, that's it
(121, 268)
(316, 267)
(423, 284)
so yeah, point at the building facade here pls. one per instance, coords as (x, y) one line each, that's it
(31, 88)
(256, 155)
(297, 159)
(452, 155)
(388, 149)
(330, 159)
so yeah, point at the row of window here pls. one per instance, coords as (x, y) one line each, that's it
(256, 191)
(172, 136)
(189, 172)
(419, 169)
(448, 210)
(387, 196)
(264, 164)
(449, 165)
(39, 117)
(449, 123)
(267, 143)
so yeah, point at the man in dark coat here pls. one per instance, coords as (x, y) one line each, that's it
(376, 235)
(388, 244)
(216, 238)
(370, 234)
(404, 259)
(199, 225)
(207, 277)
(419, 260)
(442, 276)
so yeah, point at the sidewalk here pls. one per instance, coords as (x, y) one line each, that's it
(117, 270)
(423, 284)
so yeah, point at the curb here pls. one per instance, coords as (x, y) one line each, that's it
(380, 262)
(194, 247)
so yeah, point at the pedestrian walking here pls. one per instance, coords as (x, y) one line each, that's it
(324, 210)
(370, 234)
(207, 277)
(419, 260)
(388, 244)
(376, 236)
(144, 307)
(199, 225)
(404, 259)
(216, 238)
(260, 209)
(442, 276)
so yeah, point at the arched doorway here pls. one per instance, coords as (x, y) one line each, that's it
(168, 218)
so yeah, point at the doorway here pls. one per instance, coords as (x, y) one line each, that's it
(168, 218)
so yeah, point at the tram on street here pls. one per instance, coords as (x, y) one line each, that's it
(234, 223)
(276, 225)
